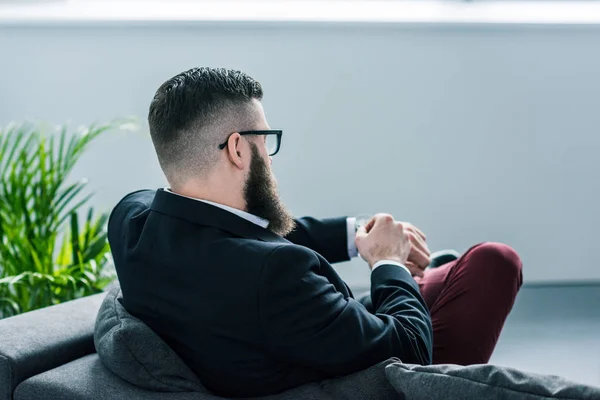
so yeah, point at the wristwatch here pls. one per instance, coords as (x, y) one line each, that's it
(361, 220)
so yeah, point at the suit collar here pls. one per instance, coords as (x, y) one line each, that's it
(247, 216)
(203, 213)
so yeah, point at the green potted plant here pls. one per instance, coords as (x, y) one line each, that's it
(53, 246)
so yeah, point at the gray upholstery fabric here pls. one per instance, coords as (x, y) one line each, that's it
(43, 340)
(371, 383)
(87, 378)
(482, 381)
(132, 351)
(34, 342)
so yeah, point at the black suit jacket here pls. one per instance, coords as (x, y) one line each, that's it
(253, 313)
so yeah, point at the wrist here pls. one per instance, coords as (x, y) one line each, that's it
(377, 260)
(390, 263)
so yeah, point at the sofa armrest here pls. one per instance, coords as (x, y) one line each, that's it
(43, 339)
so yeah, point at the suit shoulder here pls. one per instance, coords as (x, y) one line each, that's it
(295, 260)
(132, 204)
(144, 197)
(286, 250)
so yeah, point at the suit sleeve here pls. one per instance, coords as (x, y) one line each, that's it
(328, 237)
(307, 321)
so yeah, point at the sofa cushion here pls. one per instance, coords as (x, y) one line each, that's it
(370, 383)
(88, 379)
(132, 351)
(39, 340)
(482, 381)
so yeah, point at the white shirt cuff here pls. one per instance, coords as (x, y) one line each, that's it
(351, 234)
(389, 262)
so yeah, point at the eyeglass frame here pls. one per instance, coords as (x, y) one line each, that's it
(277, 132)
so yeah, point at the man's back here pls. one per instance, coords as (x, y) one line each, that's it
(250, 312)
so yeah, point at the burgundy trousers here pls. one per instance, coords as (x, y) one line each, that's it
(469, 300)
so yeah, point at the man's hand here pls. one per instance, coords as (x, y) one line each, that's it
(382, 238)
(418, 258)
(373, 244)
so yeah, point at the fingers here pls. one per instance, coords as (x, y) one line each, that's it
(387, 218)
(379, 219)
(361, 233)
(420, 259)
(411, 227)
(369, 225)
(419, 253)
(383, 219)
(376, 220)
(414, 269)
(397, 237)
(418, 243)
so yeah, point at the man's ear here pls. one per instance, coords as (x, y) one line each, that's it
(233, 148)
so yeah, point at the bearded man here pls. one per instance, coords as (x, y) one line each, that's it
(246, 295)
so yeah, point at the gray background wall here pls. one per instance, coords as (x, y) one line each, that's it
(473, 133)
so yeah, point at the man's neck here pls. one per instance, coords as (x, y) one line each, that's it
(218, 196)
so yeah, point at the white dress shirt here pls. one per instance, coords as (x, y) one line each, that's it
(350, 229)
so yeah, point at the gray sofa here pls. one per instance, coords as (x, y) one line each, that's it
(50, 354)
(37, 347)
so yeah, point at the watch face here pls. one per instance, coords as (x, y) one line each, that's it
(362, 220)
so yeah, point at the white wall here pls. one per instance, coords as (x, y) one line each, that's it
(472, 133)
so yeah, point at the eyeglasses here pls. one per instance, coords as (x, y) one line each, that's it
(272, 140)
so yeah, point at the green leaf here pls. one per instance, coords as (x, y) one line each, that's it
(63, 257)
(17, 279)
(13, 307)
(75, 246)
(88, 227)
(73, 208)
(36, 199)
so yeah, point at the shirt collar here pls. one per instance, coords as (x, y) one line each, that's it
(242, 214)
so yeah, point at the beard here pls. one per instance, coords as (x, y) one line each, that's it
(262, 199)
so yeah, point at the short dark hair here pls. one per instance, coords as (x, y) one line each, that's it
(194, 111)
